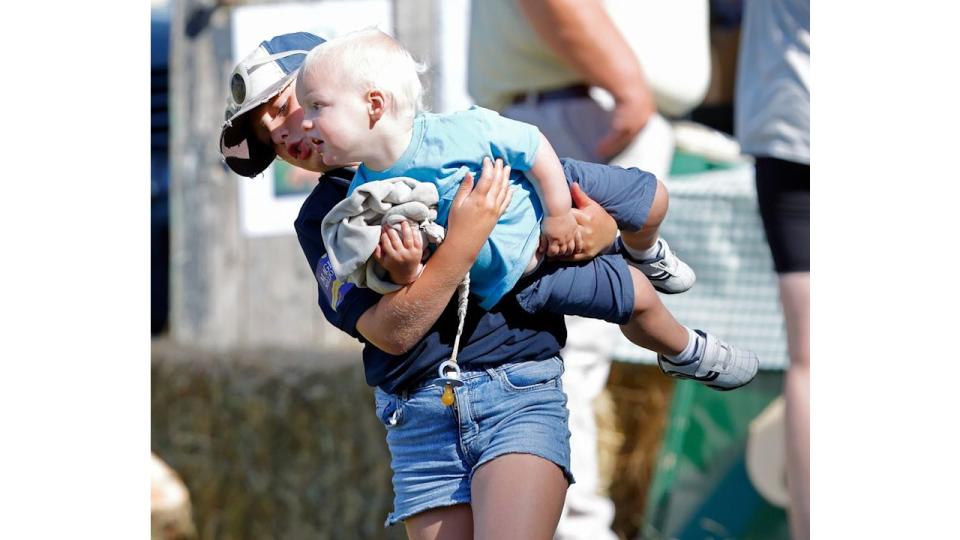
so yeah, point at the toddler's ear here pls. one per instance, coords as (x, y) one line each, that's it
(376, 105)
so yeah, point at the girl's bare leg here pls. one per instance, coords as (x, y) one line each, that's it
(447, 523)
(517, 496)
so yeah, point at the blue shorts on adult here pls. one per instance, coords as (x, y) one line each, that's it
(435, 450)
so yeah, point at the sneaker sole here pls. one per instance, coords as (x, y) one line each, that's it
(669, 292)
(653, 283)
(727, 389)
(684, 377)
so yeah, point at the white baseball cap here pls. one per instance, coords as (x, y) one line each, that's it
(254, 81)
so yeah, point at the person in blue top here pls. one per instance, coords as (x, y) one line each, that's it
(361, 97)
(496, 464)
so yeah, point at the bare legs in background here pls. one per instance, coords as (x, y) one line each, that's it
(795, 296)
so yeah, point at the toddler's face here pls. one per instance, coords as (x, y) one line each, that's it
(335, 118)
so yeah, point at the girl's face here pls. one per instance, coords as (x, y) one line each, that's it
(335, 118)
(280, 122)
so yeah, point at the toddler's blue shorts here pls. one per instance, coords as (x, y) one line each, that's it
(626, 194)
(600, 288)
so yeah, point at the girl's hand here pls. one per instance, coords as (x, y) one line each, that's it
(475, 211)
(597, 228)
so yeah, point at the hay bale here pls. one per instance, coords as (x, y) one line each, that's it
(273, 443)
(285, 444)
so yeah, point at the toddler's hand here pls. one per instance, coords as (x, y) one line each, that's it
(596, 227)
(400, 253)
(560, 237)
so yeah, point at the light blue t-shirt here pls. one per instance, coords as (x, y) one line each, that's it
(442, 149)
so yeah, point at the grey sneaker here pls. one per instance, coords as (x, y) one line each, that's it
(667, 273)
(720, 366)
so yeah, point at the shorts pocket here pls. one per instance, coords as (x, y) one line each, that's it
(532, 376)
(389, 408)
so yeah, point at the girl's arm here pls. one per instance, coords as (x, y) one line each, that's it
(401, 319)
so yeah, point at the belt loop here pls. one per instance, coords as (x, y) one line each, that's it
(492, 373)
(404, 395)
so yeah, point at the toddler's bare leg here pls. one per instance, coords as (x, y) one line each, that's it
(647, 236)
(652, 326)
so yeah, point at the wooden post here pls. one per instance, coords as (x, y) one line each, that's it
(206, 250)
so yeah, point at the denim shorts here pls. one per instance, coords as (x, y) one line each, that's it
(434, 450)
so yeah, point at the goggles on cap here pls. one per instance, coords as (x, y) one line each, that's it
(240, 80)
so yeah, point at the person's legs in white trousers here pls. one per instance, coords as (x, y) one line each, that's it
(586, 513)
(573, 127)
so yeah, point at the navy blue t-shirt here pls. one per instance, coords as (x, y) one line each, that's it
(504, 334)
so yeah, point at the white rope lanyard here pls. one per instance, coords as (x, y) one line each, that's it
(449, 370)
